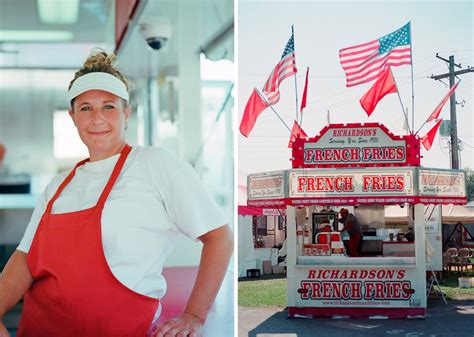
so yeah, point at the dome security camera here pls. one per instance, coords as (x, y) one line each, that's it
(157, 33)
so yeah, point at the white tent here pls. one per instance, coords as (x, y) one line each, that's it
(246, 249)
(451, 214)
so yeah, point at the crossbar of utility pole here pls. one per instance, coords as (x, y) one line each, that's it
(452, 103)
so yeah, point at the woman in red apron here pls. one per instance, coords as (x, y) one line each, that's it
(67, 284)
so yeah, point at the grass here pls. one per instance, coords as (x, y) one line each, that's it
(263, 292)
(450, 286)
(270, 292)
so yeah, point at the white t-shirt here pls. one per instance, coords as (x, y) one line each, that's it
(156, 197)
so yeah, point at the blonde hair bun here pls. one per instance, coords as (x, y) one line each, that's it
(101, 61)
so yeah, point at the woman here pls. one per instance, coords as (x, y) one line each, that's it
(91, 258)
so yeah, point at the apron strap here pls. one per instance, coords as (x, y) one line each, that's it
(63, 185)
(115, 173)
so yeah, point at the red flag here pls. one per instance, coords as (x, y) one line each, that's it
(384, 85)
(427, 140)
(305, 92)
(296, 131)
(435, 114)
(254, 107)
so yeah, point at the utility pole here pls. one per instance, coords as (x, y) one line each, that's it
(454, 129)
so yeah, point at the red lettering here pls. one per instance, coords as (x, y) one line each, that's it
(305, 285)
(334, 273)
(391, 183)
(301, 183)
(310, 184)
(390, 273)
(369, 290)
(343, 275)
(356, 290)
(311, 273)
(346, 154)
(318, 155)
(345, 290)
(401, 274)
(400, 153)
(365, 183)
(376, 183)
(308, 155)
(326, 289)
(372, 274)
(354, 154)
(397, 290)
(338, 184)
(400, 183)
(353, 274)
(349, 183)
(381, 274)
(315, 290)
(376, 154)
(379, 291)
(329, 184)
(405, 286)
(336, 289)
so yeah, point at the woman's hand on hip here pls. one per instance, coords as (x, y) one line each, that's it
(3, 331)
(185, 325)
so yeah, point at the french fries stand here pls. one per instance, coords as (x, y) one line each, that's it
(362, 167)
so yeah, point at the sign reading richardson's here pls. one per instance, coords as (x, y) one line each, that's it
(356, 145)
(434, 184)
(266, 185)
(357, 287)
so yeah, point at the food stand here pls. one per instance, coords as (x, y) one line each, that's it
(363, 167)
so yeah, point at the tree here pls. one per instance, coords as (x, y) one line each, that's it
(469, 184)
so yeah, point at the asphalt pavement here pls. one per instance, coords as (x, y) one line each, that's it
(453, 320)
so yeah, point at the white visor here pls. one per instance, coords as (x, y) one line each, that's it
(98, 81)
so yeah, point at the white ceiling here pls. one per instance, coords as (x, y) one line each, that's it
(95, 27)
(91, 26)
(138, 60)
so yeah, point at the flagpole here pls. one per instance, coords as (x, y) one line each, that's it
(437, 107)
(401, 103)
(296, 86)
(301, 112)
(276, 113)
(412, 86)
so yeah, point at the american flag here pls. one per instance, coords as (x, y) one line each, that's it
(364, 62)
(285, 68)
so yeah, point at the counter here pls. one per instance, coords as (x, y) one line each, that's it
(398, 248)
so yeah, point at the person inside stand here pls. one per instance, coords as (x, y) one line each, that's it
(351, 225)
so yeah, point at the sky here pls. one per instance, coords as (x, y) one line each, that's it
(321, 29)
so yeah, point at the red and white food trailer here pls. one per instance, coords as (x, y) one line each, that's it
(362, 167)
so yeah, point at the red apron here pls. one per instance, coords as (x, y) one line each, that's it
(74, 292)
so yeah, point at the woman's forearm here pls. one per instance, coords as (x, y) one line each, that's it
(14, 281)
(215, 256)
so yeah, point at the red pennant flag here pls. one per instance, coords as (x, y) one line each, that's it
(435, 114)
(254, 107)
(296, 131)
(384, 85)
(427, 140)
(305, 92)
